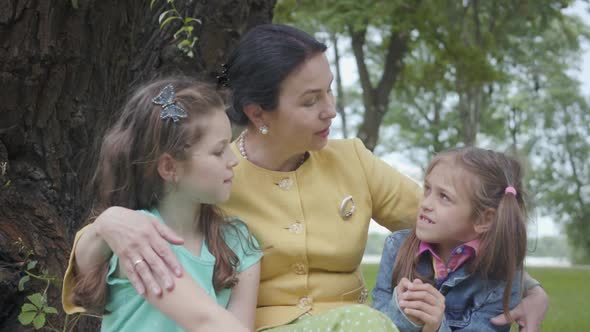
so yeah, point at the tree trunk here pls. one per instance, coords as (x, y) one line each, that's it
(376, 99)
(64, 73)
(470, 107)
(339, 89)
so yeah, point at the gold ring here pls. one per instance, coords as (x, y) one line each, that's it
(137, 262)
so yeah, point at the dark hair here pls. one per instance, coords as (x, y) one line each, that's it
(264, 57)
(127, 173)
(503, 246)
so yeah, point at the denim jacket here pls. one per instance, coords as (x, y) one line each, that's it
(470, 302)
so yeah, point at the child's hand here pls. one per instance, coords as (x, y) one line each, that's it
(402, 288)
(424, 303)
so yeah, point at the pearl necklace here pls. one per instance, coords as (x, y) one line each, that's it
(241, 146)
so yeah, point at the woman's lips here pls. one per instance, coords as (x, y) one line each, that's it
(324, 133)
(228, 181)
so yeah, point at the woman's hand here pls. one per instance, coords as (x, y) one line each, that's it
(530, 311)
(141, 243)
(422, 303)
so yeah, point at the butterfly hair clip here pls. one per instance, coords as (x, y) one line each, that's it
(170, 110)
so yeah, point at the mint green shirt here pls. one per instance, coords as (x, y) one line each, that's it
(129, 311)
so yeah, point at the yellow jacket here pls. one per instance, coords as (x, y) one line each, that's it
(312, 252)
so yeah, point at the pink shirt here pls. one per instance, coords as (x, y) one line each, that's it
(459, 255)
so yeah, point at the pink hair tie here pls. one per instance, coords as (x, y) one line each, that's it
(510, 190)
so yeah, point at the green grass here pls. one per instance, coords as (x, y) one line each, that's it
(569, 296)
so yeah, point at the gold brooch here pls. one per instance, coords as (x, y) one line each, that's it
(347, 207)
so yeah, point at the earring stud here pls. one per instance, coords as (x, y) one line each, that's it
(263, 130)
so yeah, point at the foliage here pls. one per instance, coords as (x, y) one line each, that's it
(35, 312)
(492, 73)
(562, 174)
(184, 35)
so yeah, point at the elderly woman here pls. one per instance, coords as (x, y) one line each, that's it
(307, 199)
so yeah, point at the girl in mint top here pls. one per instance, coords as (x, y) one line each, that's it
(168, 156)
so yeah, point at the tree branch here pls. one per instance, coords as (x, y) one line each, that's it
(358, 41)
(398, 46)
(476, 22)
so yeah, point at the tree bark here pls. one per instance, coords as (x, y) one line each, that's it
(64, 73)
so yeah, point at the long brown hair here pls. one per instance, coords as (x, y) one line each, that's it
(127, 174)
(503, 246)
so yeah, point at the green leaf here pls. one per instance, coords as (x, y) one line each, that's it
(28, 307)
(187, 28)
(50, 310)
(166, 21)
(22, 282)
(26, 318)
(163, 15)
(31, 265)
(184, 43)
(192, 19)
(37, 299)
(39, 321)
(75, 4)
(152, 4)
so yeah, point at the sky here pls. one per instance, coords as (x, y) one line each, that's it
(541, 225)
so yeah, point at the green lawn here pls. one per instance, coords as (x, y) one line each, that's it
(568, 289)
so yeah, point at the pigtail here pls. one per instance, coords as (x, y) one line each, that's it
(503, 245)
(512, 219)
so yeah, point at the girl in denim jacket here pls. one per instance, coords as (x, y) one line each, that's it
(462, 263)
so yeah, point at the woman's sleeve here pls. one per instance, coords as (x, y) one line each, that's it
(69, 280)
(395, 197)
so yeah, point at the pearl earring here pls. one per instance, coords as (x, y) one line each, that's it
(263, 130)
